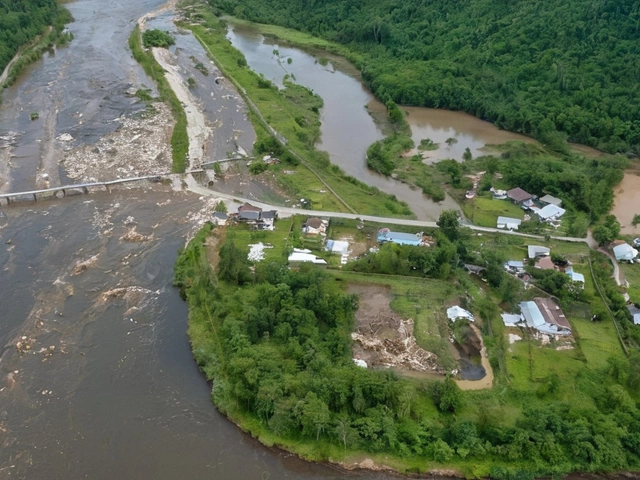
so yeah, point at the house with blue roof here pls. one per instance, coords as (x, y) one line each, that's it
(385, 235)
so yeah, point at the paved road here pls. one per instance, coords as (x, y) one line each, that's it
(286, 211)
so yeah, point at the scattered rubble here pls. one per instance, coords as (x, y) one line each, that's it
(83, 265)
(133, 236)
(140, 146)
(383, 339)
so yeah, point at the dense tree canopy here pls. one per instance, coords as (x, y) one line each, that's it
(21, 21)
(548, 69)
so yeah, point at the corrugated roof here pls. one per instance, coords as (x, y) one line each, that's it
(550, 211)
(625, 252)
(532, 314)
(518, 194)
(551, 200)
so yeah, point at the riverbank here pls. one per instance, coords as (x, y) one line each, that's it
(538, 378)
(55, 35)
(179, 137)
(292, 120)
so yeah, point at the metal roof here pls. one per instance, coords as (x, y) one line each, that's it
(532, 314)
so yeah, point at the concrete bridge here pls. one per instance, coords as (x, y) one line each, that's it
(77, 189)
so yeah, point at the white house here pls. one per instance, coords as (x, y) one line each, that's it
(575, 276)
(625, 252)
(550, 213)
(509, 223)
(515, 266)
(536, 251)
(315, 226)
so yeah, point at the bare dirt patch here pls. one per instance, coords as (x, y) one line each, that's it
(212, 243)
(383, 339)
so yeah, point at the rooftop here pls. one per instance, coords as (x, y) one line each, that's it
(518, 195)
(552, 313)
(537, 251)
(313, 222)
(550, 211)
(551, 200)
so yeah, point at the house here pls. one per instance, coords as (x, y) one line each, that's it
(625, 252)
(457, 312)
(315, 226)
(549, 200)
(249, 216)
(545, 263)
(511, 319)
(385, 235)
(518, 195)
(220, 219)
(509, 223)
(267, 219)
(635, 313)
(304, 256)
(514, 266)
(552, 313)
(575, 276)
(544, 315)
(535, 251)
(550, 213)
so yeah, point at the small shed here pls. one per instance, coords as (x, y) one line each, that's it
(575, 276)
(518, 195)
(514, 266)
(635, 313)
(549, 200)
(536, 251)
(625, 252)
(220, 218)
(509, 223)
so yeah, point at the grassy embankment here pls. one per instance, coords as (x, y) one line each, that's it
(33, 51)
(528, 374)
(179, 137)
(293, 113)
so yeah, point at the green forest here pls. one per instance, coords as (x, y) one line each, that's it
(23, 20)
(275, 343)
(553, 69)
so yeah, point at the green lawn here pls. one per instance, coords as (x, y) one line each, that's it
(279, 238)
(484, 210)
(632, 274)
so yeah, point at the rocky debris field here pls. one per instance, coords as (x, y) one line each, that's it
(140, 146)
(383, 339)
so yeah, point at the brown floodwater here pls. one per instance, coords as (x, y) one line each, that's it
(627, 202)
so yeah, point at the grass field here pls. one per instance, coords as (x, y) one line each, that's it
(632, 274)
(484, 211)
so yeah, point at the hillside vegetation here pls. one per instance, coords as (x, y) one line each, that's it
(552, 69)
(22, 21)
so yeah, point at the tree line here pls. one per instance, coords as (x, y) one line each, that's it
(276, 345)
(554, 70)
(22, 21)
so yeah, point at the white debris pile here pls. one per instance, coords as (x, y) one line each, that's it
(139, 146)
(256, 251)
